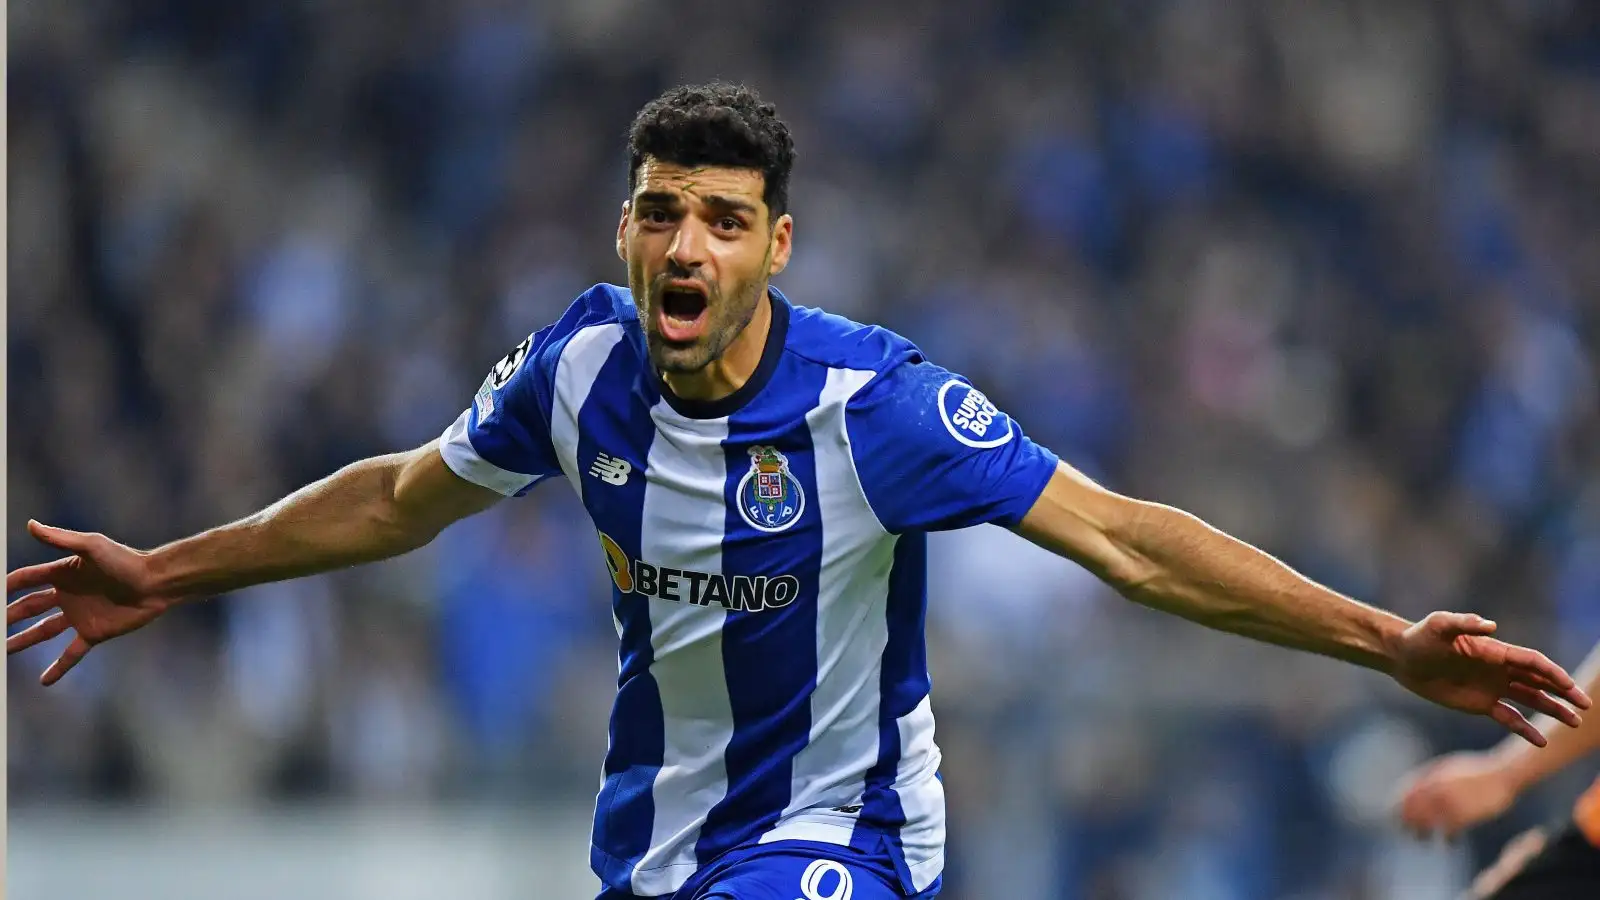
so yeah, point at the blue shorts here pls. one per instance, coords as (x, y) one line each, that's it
(792, 870)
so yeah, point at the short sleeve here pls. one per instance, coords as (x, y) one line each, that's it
(502, 440)
(934, 454)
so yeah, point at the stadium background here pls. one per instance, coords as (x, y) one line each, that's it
(1323, 272)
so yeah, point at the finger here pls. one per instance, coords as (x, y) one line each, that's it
(29, 606)
(37, 576)
(1514, 722)
(38, 632)
(1573, 694)
(1578, 697)
(69, 657)
(1533, 678)
(1539, 701)
(1532, 661)
(63, 538)
(1453, 624)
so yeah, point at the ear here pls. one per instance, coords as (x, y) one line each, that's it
(622, 232)
(782, 244)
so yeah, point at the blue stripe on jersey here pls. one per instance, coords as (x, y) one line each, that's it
(625, 808)
(904, 682)
(770, 657)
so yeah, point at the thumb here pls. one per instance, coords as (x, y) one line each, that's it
(61, 538)
(1453, 624)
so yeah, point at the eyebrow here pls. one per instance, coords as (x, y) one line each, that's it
(733, 204)
(665, 198)
(668, 198)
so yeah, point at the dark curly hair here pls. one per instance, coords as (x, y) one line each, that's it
(716, 124)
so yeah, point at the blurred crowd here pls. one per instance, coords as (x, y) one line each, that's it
(1325, 273)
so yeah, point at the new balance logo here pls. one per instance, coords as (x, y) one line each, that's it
(611, 469)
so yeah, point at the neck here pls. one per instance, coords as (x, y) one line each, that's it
(733, 368)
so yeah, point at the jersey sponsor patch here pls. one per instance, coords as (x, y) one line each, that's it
(770, 498)
(970, 417)
(736, 593)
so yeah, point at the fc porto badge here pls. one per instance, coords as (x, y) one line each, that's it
(770, 497)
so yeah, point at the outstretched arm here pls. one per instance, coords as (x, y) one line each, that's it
(367, 511)
(370, 510)
(1460, 790)
(1167, 559)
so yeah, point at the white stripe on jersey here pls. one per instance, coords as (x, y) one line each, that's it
(852, 631)
(684, 528)
(581, 360)
(921, 796)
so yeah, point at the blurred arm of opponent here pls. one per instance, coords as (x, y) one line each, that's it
(370, 510)
(1169, 560)
(1457, 791)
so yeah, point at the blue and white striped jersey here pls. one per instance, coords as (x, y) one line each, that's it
(768, 558)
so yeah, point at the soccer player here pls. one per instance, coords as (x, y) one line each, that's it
(761, 477)
(1455, 792)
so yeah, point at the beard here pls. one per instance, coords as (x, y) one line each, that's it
(727, 317)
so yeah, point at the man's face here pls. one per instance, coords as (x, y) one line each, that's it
(699, 250)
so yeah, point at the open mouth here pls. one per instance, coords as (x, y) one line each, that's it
(682, 311)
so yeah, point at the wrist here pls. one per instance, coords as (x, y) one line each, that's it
(167, 573)
(1512, 762)
(158, 572)
(1386, 635)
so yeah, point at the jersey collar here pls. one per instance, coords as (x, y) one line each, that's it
(777, 335)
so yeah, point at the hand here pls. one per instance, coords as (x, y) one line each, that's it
(1455, 792)
(1450, 659)
(101, 592)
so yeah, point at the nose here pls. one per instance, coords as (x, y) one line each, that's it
(688, 248)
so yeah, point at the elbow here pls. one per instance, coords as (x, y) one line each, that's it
(401, 525)
(1133, 575)
(398, 532)
(1124, 562)
(1136, 565)
(1120, 563)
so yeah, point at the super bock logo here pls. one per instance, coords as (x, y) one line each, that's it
(770, 497)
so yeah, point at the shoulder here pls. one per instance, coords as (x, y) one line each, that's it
(602, 314)
(840, 343)
(894, 377)
(590, 326)
(599, 306)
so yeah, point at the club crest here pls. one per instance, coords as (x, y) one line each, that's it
(770, 497)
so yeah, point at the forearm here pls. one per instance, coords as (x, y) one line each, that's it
(1177, 563)
(1527, 765)
(353, 516)
(1167, 559)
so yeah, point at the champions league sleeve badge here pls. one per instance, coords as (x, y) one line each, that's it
(770, 497)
